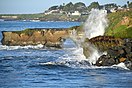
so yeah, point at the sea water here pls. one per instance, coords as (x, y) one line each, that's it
(37, 67)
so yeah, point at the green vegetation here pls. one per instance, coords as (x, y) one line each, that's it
(24, 16)
(64, 12)
(116, 28)
(53, 8)
(129, 4)
(30, 16)
(70, 7)
(94, 5)
(63, 17)
(28, 32)
(81, 7)
(111, 5)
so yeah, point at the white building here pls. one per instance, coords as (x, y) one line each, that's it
(113, 10)
(77, 13)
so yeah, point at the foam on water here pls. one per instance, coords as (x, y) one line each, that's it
(121, 65)
(4, 47)
(94, 26)
(73, 58)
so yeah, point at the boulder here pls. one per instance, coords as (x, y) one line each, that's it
(105, 60)
(128, 64)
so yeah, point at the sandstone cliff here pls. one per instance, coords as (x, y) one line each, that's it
(48, 37)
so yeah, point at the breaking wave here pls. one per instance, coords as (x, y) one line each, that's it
(4, 47)
(74, 58)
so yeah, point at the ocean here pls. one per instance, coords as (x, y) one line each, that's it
(38, 67)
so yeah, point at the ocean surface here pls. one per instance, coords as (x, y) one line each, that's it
(38, 67)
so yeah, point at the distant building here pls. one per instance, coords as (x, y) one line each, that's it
(120, 8)
(85, 13)
(113, 10)
(76, 13)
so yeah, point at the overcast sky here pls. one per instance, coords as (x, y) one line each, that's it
(38, 6)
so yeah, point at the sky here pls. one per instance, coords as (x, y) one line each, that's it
(39, 6)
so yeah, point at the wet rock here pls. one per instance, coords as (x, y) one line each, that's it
(122, 59)
(48, 37)
(106, 42)
(128, 64)
(102, 43)
(118, 54)
(105, 60)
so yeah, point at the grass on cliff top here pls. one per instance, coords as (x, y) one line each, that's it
(125, 33)
(117, 30)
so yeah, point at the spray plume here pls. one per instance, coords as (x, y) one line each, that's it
(94, 26)
(96, 23)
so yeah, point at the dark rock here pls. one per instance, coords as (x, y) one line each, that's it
(128, 64)
(122, 59)
(102, 43)
(129, 56)
(128, 48)
(112, 52)
(117, 54)
(105, 60)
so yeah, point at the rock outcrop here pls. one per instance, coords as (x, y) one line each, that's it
(48, 37)
(102, 43)
(105, 42)
(118, 54)
(118, 50)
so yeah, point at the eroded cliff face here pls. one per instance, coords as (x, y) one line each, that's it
(47, 37)
(101, 43)
(117, 54)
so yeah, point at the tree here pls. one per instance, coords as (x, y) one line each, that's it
(79, 6)
(125, 6)
(60, 7)
(110, 6)
(93, 5)
(68, 7)
(53, 8)
(129, 4)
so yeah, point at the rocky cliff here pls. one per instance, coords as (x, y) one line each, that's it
(101, 43)
(118, 50)
(48, 37)
(117, 54)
